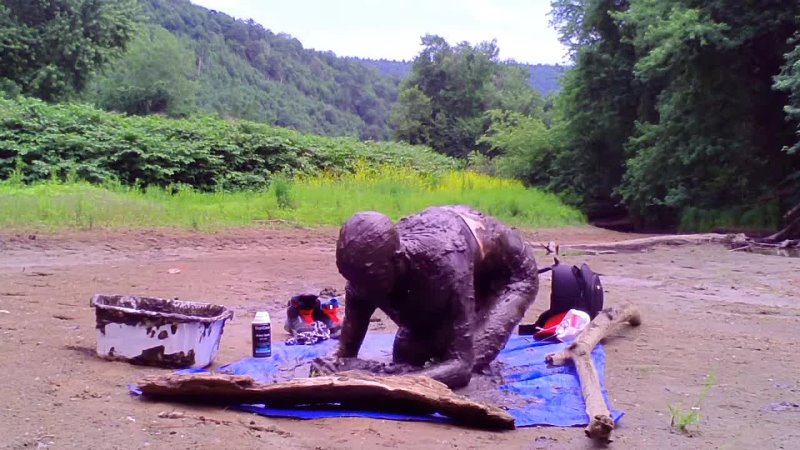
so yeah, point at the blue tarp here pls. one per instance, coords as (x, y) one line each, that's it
(532, 392)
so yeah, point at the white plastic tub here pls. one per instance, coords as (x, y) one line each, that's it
(158, 332)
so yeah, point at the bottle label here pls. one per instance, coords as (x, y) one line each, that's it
(262, 340)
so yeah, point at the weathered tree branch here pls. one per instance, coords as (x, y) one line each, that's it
(634, 245)
(790, 231)
(608, 321)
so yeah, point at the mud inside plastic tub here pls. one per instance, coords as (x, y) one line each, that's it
(158, 332)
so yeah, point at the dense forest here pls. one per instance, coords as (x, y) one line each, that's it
(672, 113)
(678, 110)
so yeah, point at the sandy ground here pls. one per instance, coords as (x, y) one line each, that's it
(705, 310)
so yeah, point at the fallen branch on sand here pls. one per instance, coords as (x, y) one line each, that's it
(736, 242)
(791, 230)
(356, 390)
(789, 248)
(607, 322)
(273, 221)
(640, 244)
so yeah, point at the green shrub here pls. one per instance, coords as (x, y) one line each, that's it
(743, 218)
(206, 153)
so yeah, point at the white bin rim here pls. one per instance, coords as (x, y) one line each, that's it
(155, 307)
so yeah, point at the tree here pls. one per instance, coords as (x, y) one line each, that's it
(789, 81)
(670, 104)
(412, 115)
(598, 104)
(155, 75)
(513, 91)
(51, 48)
(523, 144)
(444, 99)
(716, 138)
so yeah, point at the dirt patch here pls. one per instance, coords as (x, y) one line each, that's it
(705, 310)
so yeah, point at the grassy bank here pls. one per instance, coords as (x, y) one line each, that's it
(322, 199)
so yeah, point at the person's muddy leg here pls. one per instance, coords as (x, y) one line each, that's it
(503, 312)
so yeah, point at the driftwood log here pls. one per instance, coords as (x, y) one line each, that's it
(769, 245)
(608, 321)
(635, 245)
(790, 248)
(355, 390)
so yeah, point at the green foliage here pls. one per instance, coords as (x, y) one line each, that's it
(523, 143)
(50, 49)
(789, 81)
(155, 76)
(411, 116)
(544, 78)
(513, 92)
(688, 157)
(282, 187)
(742, 218)
(597, 106)
(248, 72)
(670, 105)
(323, 199)
(684, 420)
(444, 98)
(205, 153)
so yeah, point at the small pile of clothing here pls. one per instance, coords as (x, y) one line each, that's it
(319, 333)
(312, 318)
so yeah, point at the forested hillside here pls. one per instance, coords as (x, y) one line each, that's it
(543, 77)
(238, 68)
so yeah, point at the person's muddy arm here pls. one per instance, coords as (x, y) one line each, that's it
(455, 370)
(358, 311)
(506, 304)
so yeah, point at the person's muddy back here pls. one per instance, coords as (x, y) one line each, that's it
(455, 281)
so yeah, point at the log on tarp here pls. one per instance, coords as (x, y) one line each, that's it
(358, 391)
(607, 322)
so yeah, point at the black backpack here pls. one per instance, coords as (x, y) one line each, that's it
(572, 288)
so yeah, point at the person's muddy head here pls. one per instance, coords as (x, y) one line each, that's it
(366, 253)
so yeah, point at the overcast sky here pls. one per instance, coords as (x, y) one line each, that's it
(392, 29)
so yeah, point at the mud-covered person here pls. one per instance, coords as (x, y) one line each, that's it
(455, 281)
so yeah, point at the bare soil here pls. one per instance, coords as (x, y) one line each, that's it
(705, 310)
